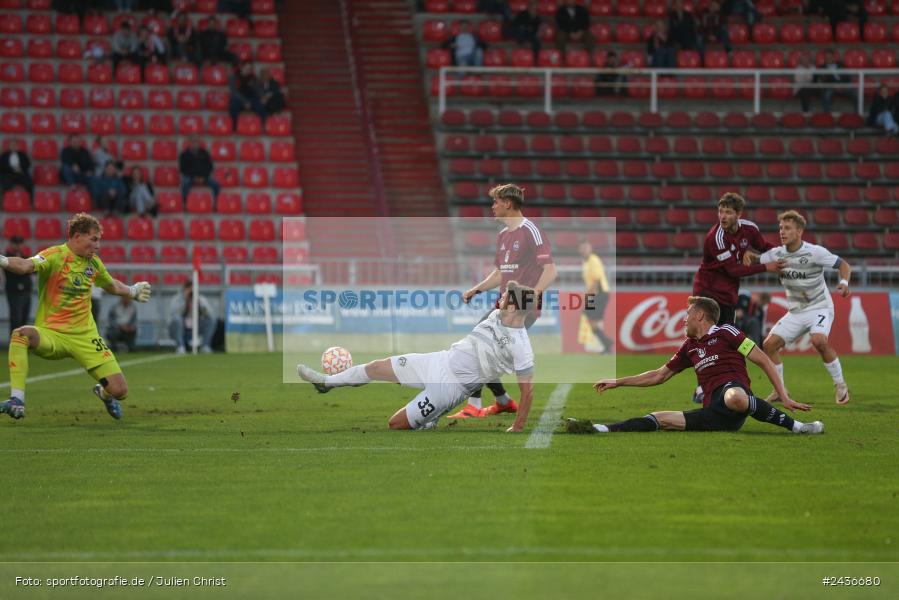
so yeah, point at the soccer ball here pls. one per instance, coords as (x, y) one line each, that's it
(336, 360)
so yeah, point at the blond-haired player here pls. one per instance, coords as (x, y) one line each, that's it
(64, 326)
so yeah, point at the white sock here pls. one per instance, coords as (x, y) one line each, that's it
(352, 376)
(503, 400)
(20, 394)
(797, 426)
(474, 401)
(600, 428)
(836, 370)
(780, 371)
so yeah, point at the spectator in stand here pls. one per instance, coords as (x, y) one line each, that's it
(742, 8)
(614, 81)
(573, 25)
(246, 93)
(71, 7)
(125, 45)
(828, 74)
(151, 48)
(103, 153)
(195, 165)
(108, 191)
(182, 40)
(181, 321)
(157, 6)
(803, 79)
(212, 44)
(124, 6)
(496, 7)
(18, 287)
(748, 317)
(526, 28)
(467, 47)
(241, 8)
(77, 165)
(141, 196)
(681, 27)
(838, 11)
(15, 169)
(712, 28)
(272, 96)
(121, 331)
(658, 47)
(882, 108)
(94, 52)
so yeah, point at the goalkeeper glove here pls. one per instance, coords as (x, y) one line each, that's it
(140, 291)
(4, 262)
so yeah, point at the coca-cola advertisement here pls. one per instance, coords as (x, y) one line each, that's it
(653, 322)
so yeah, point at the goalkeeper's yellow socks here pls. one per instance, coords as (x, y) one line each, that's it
(18, 365)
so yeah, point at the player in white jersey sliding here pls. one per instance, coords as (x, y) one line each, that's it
(497, 345)
(808, 299)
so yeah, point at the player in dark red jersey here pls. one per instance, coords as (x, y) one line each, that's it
(718, 355)
(523, 254)
(722, 265)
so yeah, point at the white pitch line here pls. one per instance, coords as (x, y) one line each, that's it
(542, 436)
(618, 553)
(70, 372)
(286, 450)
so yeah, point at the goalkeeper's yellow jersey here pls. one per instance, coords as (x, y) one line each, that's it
(64, 289)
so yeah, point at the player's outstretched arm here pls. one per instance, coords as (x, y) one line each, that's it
(140, 291)
(490, 282)
(647, 379)
(764, 363)
(548, 275)
(14, 264)
(845, 275)
(526, 385)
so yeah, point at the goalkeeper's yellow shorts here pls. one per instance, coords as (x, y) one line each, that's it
(88, 349)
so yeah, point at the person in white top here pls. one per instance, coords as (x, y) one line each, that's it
(496, 346)
(810, 307)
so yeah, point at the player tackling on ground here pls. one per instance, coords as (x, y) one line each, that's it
(722, 265)
(64, 326)
(809, 301)
(497, 345)
(717, 354)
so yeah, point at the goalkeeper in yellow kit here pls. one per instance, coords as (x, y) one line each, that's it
(64, 326)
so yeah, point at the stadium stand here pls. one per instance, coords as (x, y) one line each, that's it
(659, 173)
(50, 90)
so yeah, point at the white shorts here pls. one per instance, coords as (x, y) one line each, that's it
(440, 392)
(793, 325)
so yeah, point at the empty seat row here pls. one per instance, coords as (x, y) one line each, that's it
(199, 201)
(13, 71)
(470, 191)
(257, 7)
(596, 119)
(687, 170)
(713, 147)
(208, 254)
(104, 123)
(166, 229)
(109, 97)
(44, 23)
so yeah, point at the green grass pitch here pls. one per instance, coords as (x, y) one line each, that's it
(285, 474)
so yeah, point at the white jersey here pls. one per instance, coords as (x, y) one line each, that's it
(490, 351)
(803, 277)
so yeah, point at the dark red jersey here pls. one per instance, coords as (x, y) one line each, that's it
(717, 357)
(722, 266)
(521, 254)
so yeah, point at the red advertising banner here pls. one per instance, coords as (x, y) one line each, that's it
(654, 322)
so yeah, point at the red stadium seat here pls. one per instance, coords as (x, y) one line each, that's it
(219, 125)
(199, 201)
(259, 204)
(190, 125)
(100, 124)
(255, 177)
(877, 195)
(174, 254)
(201, 230)
(166, 176)
(142, 253)
(169, 202)
(162, 124)
(140, 229)
(285, 177)
(232, 230)
(764, 33)
(46, 175)
(855, 58)
(848, 33)
(171, 230)
(262, 230)
(278, 125)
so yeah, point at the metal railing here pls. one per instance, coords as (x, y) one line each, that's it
(659, 79)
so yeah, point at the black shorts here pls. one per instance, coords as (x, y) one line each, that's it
(716, 416)
(597, 311)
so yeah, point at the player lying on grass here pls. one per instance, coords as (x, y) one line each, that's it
(810, 305)
(64, 326)
(717, 355)
(497, 345)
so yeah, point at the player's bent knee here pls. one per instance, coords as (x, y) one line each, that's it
(819, 342)
(772, 344)
(736, 400)
(29, 332)
(399, 420)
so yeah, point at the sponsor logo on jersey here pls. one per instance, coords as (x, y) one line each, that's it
(77, 280)
(89, 272)
(793, 275)
(803, 260)
(507, 256)
(744, 243)
(402, 361)
(699, 351)
(515, 246)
